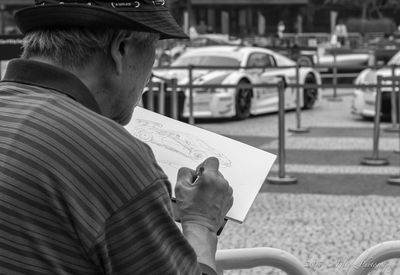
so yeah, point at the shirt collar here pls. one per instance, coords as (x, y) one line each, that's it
(48, 76)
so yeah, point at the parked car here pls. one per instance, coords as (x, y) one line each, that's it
(364, 98)
(244, 65)
(347, 60)
(167, 56)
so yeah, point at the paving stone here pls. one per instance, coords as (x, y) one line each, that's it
(325, 232)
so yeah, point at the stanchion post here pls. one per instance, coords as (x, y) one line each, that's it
(334, 75)
(174, 96)
(150, 95)
(395, 179)
(161, 98)
(375, 160)
(335, 97)
(282, 177)
(191, 117)
(398, 110)
(395, 127)
(298, 129)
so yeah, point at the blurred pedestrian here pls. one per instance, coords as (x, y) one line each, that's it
(202, 27)
(341, 32)
(80, 195)
(280, 29)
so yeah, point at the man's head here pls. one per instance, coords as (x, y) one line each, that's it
(110, 45)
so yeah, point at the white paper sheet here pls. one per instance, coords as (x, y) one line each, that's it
(176, 144)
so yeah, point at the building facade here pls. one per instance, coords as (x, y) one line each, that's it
(234, 17)
(241, 17)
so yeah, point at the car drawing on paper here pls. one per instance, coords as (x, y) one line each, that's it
(239, 66)
(181, 143)
(363, 103)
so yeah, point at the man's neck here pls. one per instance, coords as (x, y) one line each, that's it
(90, 75)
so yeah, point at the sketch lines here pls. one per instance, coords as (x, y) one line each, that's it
(185, 144)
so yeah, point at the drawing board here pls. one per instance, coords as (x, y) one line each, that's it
(176, 144)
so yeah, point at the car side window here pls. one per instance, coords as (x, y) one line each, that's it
(272, 61)
(260, 60)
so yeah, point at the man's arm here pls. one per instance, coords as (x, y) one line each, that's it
(204, 243)
(142, 238)
(203, 199)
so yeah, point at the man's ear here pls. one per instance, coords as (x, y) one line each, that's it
(119, 48)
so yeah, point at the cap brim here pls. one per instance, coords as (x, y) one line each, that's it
(78, 15)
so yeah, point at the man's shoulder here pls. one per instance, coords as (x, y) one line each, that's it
(66, 121)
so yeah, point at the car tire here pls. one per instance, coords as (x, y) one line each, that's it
(305, 61)
(243, 100)
(198, 155)
(310, 94)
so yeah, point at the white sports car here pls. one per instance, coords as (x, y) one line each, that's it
(262, 66)
(364, 98)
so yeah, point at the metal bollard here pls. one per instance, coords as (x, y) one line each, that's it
(298, 129)
(150, 95)
(375, 160)
(191, 117)
(174, 96)
(371, 58)
(373, 256)
(395, 127)
(395, 179)
(161, 98)
(282, 177)
(335, 98)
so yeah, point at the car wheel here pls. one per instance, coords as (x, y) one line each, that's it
(143, 135)
(197, 155)
(243, 101)
(310, 94)
(304, 61)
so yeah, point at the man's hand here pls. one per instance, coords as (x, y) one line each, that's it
(204, 197)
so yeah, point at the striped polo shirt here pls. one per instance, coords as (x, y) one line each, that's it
(79, 194)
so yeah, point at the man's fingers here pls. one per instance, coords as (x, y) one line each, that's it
(211, 163)
(186, 175)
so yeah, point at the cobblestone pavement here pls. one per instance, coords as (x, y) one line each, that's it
(325, 232)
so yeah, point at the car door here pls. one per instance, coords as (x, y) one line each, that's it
(264, 98)
(276, 72)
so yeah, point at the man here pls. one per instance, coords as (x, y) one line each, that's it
(79, 194)
(341, 33)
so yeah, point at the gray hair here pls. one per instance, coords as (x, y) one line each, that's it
(73, 48)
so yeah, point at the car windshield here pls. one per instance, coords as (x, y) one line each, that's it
(206, 60)
(395, 60)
